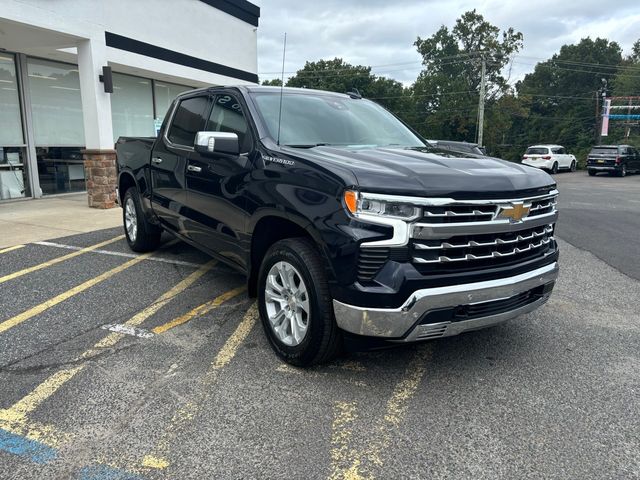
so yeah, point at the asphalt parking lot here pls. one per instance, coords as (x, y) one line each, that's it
(114, 366)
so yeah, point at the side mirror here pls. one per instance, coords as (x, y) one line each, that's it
(217, 142)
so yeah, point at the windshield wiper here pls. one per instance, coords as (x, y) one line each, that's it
(310, 145)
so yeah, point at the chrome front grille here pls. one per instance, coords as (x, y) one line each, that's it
(482, 247)
(458, 235)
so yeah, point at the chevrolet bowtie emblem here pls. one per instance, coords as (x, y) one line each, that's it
(514, 212)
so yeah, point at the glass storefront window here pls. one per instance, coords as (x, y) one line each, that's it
(60, 169)
(165, 93)
(56, 109)
(13, 178)
(132, 107)
(10, 118)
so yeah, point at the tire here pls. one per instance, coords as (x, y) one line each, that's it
(141, 235)
(554, 168)
(572, 168)
(321, 341)
(622, 172)
(592, 173)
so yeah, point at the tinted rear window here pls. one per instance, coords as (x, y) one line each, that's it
(537, 151)
(604, 150)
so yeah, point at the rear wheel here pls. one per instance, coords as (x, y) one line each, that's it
(554, 168)
(295, 306)
(573, 166)
(623, 171)
(141, 235)
(592, 173)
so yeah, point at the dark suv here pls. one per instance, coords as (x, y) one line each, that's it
(615, 159)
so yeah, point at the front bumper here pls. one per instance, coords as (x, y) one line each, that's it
(409, 322)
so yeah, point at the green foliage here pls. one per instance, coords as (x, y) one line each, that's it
(447, 90)
(274, 82)
(338, 76)
(556, 103)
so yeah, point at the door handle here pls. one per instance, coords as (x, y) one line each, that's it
(194, 168)
(156, 160)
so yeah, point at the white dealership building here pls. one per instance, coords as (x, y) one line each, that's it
(55, 116)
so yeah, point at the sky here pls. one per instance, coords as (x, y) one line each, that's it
(381, 33)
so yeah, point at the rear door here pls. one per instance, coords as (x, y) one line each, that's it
(215, 183)
(565, 159)
(169, 160)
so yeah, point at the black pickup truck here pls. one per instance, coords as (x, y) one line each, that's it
(344, 220)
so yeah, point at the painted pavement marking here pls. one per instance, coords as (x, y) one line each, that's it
(54, 261)
(128, 330)
(14, 420)
(38, 309)
(10, 249)
(365, 461)
(158, 458)
(120, 254)
(200, 310)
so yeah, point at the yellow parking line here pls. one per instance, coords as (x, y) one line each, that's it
(9, 249)
(15, 419)
(38, 309)
(397, 405)
(157, 459)
(199, 310)
(344, 463)
(46, 264)
(165, 298)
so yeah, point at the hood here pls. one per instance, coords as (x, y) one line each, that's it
(430, 172)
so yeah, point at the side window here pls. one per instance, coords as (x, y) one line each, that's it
(226, 116)
(555, 150)
(187, 121)
(561, 151)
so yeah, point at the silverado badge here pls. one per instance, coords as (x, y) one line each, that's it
(515, 212)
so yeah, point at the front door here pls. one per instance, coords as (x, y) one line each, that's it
(215, 184)
(169, 161)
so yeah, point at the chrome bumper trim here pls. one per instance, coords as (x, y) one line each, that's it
(395, 323)
(612, 167)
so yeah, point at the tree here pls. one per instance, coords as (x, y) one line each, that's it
(560, 95)
(338, 76)
(274, 82)
(447, 90)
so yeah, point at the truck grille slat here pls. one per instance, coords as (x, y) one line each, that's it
(446, 243)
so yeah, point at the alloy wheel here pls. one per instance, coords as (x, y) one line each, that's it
(287, 303)
(131, 219)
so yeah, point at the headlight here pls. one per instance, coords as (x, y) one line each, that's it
(379, 205)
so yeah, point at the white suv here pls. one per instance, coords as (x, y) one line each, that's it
(549, 157)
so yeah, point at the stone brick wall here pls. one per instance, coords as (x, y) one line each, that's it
(101, 177)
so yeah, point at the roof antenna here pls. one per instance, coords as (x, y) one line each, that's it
(284, 52)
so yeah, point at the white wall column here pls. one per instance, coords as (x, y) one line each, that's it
(99, 157)
(96, 104)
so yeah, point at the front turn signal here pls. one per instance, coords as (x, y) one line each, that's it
(351, 201)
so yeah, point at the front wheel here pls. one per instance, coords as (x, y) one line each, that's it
(295, 305)
(141, 235)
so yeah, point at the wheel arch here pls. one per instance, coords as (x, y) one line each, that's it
(269, 228)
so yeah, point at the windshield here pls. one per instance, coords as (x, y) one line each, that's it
(310, 119)
(537, 151)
